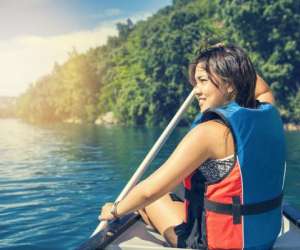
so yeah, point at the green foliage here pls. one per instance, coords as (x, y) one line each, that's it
(69, 92)
(269, 30)
(295, 108)
(141, 74)
(150, 69)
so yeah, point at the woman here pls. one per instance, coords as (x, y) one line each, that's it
(231, 163)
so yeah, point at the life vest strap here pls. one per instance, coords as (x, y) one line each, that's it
(236, 209)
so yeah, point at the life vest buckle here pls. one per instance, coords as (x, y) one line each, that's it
(236, 209)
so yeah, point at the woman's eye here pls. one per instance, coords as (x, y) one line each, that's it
(199, 79)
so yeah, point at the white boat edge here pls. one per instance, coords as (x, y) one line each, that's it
(140, 236)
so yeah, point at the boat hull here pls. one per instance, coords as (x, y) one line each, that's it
(131, 233)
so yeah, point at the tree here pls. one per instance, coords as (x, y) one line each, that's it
(270, 31)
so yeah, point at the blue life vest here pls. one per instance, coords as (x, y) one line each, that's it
(243, 209)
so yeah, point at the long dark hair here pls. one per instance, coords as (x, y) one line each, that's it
(231, 65)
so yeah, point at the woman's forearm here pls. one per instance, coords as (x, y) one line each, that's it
(263, 92)
(135, 199)
(266, 97)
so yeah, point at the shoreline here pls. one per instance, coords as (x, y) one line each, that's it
(291, 127)
(109, 119)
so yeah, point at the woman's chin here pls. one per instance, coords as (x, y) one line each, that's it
(203, 108)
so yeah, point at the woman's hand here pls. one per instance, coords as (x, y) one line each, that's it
(106, 212)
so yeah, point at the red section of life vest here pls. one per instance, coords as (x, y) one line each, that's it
(188, 185)
(221, 232)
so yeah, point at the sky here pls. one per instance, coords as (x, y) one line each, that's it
(37, 33)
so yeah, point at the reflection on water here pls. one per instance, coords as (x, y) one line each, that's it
(292, 181)
(53, 179)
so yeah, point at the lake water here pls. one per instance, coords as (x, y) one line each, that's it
(54, 179)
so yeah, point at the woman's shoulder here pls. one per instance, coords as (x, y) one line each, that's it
(211, 127)
(216, 136)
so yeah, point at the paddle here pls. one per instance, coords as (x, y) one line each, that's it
(151, 155)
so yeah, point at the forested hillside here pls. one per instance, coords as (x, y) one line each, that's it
(141, 75)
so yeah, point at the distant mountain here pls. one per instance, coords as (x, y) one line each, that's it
(7, 106)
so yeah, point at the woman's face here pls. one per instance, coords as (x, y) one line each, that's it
(207, 93)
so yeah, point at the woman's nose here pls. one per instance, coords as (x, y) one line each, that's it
(197, 89)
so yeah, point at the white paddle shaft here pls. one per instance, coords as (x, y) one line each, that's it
(151, 154)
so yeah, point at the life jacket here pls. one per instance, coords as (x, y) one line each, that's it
(242, 210)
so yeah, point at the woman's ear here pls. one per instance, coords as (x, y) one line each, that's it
(230, 91)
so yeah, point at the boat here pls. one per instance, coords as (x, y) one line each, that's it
(131, 233)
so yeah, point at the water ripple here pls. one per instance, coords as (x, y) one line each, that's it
(54, 179)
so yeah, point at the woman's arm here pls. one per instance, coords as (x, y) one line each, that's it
(263, 92)
(193, 150)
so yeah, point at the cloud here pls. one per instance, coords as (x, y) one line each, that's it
(24, 59)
